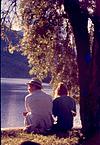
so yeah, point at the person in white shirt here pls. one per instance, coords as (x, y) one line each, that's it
(38, 105)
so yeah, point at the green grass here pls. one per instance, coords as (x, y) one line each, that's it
(15, 137)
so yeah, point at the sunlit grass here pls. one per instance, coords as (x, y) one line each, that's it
(12, 137)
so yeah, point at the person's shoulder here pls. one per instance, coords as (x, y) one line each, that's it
(27, 96)
(45, 94)
(56, 99)
(71, 98)
(49, 96)
(42, 91)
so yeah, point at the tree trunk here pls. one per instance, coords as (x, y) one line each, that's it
(79, 21)
(95, 83)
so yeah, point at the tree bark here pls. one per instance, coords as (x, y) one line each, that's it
(79, 21)
(95, 83)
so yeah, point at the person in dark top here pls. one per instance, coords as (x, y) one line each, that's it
(64, 108)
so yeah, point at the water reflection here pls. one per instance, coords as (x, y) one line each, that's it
(12, 102)
(13, 92)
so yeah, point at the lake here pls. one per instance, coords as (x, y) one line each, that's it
(13, 92)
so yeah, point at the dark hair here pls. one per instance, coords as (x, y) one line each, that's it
(29, 143)
(61, 89)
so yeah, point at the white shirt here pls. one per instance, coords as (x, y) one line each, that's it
(39, 105)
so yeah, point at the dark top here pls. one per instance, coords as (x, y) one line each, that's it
(62, 107)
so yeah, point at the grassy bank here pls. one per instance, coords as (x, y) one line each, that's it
(16, 136)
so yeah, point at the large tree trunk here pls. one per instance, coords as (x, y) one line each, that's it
(78, 21)
(95, 83)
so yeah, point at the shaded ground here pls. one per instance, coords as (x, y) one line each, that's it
(95, 140)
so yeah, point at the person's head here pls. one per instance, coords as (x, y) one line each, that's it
(29, 143)
(34, 84)
(61, 89)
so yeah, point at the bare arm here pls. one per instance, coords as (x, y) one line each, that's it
(74, 109)
(73, 113)
(26, 107)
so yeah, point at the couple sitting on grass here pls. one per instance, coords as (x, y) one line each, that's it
(41, 109)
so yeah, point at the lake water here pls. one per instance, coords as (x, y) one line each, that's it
(13, 92)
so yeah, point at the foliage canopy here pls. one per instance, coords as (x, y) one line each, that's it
(47, 44)
(48, 41)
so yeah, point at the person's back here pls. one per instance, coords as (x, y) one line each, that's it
(38, 106)
(63, 108)
(39, 102)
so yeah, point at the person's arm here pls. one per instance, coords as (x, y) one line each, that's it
(54, 110)
(74, 108)
(25, 113)
(73, 113)
(26, 107)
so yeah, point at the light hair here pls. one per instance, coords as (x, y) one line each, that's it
(61, 89)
